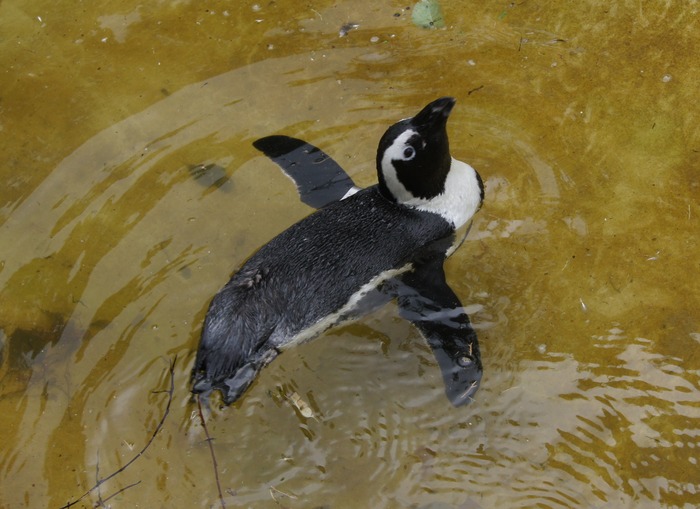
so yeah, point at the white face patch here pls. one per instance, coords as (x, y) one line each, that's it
(398, 151)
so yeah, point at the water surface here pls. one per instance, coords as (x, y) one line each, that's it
(131, 191)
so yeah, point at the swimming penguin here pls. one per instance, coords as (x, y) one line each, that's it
(388, 241)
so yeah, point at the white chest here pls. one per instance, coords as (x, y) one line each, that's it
(459, 201)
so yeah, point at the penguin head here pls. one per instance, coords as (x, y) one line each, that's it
(413, 158)
(415, 167)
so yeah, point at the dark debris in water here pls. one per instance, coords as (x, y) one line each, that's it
(209, 175)
(346, 28)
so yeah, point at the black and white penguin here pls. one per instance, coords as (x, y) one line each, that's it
(390, 239)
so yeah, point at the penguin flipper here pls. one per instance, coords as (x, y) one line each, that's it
(426, 300)
(319, 179)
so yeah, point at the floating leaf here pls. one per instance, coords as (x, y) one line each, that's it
(428, 14)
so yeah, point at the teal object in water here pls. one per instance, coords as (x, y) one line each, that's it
(428, 14)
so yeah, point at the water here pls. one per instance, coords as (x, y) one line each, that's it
(579, 272)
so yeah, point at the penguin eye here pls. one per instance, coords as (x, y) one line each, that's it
(409, 153)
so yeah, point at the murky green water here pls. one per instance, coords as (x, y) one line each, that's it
(580, 272)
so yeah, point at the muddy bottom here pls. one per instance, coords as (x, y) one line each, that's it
(131, 191)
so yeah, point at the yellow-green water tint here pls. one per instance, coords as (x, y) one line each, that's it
(580, 272)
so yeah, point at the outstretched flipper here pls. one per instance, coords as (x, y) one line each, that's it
(423, 295)
(426, 300)
(319, 179)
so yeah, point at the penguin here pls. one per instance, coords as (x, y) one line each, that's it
(387, 241)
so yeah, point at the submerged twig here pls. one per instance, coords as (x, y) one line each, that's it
(102, 502)
(288, 495)
(100, 481)
(211, 451)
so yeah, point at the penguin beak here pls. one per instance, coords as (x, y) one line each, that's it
(434, 116)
